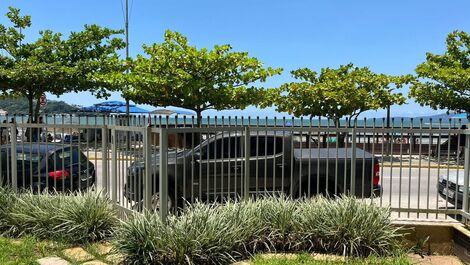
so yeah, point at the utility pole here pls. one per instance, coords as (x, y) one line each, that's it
(128, 118)
(126, 28)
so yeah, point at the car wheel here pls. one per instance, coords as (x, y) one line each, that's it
(155, 202)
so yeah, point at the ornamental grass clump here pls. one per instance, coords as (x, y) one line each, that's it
(347, 226)
(7, 198)
(72, 218)
(278, 225)
(202, 234)
(222, 233)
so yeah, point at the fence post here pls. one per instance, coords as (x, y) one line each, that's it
(353, 162)
(114, 166)
(14, 172)
(246, 183)
(163, 174)
(104, 160)
(466, 172)
(148, 191)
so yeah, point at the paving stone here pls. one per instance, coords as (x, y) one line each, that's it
(16, 242)
(52, 261)
(317, 256)
(78, 254)
(94, 262)
(115, 258)
(435, 260)
(104, 249)
(243, 262)
(279, 256)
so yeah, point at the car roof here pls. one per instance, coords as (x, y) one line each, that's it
(259, 134)
(37, 148)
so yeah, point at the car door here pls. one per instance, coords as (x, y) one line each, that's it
(213, 168)
(266, 164)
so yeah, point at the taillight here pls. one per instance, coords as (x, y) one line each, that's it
(376, 177)
(59, 174)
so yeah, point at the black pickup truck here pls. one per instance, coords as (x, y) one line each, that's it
(216, 168)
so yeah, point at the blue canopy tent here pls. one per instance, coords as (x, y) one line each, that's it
(172, 111)
(113, 107)
(459, 116)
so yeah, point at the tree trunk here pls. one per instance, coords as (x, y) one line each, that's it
(340, 137)
(31, 108)
(198, 118)
(196, 137)
(36, 110)
(29, 131)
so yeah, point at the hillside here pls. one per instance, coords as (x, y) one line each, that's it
(20, 106)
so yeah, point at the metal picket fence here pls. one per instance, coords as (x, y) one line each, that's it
(162, 164)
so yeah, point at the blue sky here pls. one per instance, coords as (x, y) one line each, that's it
(390, 37)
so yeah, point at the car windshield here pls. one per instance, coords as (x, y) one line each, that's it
(66, 158)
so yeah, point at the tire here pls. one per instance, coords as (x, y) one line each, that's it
(155, 203)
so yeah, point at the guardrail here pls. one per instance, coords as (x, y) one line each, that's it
(164, 167)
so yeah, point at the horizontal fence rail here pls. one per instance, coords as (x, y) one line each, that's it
(418, 169)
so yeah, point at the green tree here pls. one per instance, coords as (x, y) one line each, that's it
(335, 93)
(445, 79)
(173, 73)
(54, 64)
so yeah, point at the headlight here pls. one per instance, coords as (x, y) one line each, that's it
(441, 178)
(461, 189)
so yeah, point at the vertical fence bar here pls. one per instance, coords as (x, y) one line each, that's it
(466, 173)
(163, 176)
(14, 164)
(147, 133)
(114, 166)
(246, 183)
(353, 161)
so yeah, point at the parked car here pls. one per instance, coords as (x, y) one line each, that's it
(51, 166)
(215, 169)
(451, 188)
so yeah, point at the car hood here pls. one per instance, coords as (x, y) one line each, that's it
(453, 177)
(155, 158)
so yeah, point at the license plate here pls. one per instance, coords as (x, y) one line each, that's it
(448, 192)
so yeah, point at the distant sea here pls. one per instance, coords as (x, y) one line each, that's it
(143, 120)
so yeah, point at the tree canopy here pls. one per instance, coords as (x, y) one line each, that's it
(445, 79)
(173, 73)
(335, 93)
(54, 64)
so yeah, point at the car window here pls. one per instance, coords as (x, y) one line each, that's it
(228, 147)
(266, 145)
(28, 157)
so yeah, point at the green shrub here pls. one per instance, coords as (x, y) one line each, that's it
(7, 199)
(219, 234)
(77, 218)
